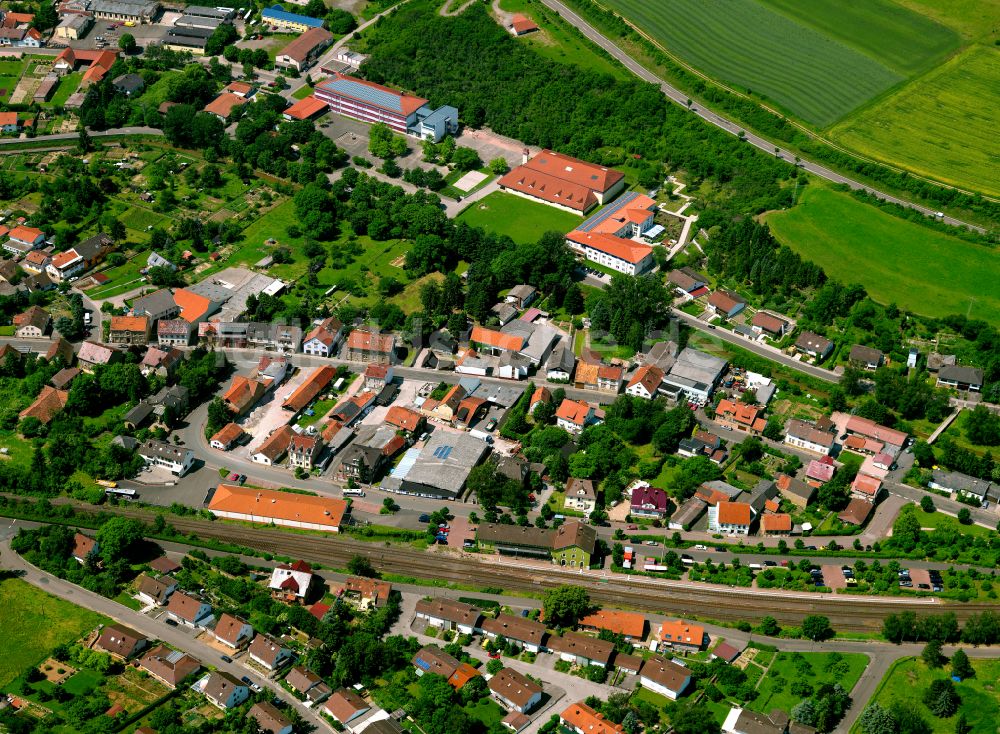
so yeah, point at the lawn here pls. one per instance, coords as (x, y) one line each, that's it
(518, 218)
(10, 73)
(805, 68)
(320, 408)
(935, 520)
(559, 41)
(916, 267)
(83, 682)
(942, 125)
(956, 432)
(488, 712)
(67, 85)
(816, 668)
(908, 678)
(138, 219)
(34, 623)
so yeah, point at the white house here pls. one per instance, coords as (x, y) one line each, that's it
(665, 677)
(293, 579)
(730, 518)
(268, 653)
(223, 689)
(807, 436)
(645, 383)
(574, 416)
(324, 338)
(188, 611)
(160, 453)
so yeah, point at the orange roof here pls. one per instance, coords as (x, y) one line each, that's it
(224, 104)
(637, 210)
(627, 624)
(777, 523)
(462, 675)
(649, 376)
(8, 118)
(12, 20)
(129, 323)
(331, 429)
(573, 411)
(678, 630)
(772, 505)
(300, 48)
(586, 373)
(401, 417)
(609, 372)
(25, 234)
(227, 434)
(497, 339)
(193, 307)
(742, 413)
(627, 250)
(567, 168)
(37, 257)
(541, 394)
(243, 393)
(867, 485)
(99, 61)
(583, 718)
(370, 341)
(268, 503)
(238, 88)
(49, 402)
(734, 513)
(308, 390)
(306, 108)
(65, 258)
(522, 23)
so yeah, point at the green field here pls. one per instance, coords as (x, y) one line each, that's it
(518, 218)
(916, 267)
(817, 60)
(942, 125)
(822, 668)
(67, 85)
(34, 623)
(908, 678)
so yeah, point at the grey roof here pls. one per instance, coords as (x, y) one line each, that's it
(727, 489)
(187, 31)
(867, 355)
(211, 290)
(129, 82)
(204, 11)
(538, 338)
(140, 9)
(962, 482)
(689, 512)
(521, 291)
(197, 21)
(696, 369)
(157, 302)
(126, 442)
(562, 359)
(812, 342)
(936, 361)
(443, 113)
(139, 413)
(92, 246)
(162, 449)
(959, 374)
(446, 460)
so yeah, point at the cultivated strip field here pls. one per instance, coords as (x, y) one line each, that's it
(808, 69)
(896, 261)
(943, 125)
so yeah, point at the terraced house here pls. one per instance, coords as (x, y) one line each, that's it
(571, 544)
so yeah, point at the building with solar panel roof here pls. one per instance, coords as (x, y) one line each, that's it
(404, 113)
(439, 468)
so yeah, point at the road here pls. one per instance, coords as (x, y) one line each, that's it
(114, 132)
(153, 629)
(729, 126)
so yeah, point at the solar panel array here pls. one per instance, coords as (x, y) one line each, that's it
(442, 452)
(599, 216)
(377, 97)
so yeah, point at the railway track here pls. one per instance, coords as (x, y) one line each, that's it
(846, 612)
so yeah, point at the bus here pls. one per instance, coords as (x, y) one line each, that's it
(348, 492)
(127, 494)
(107, 483)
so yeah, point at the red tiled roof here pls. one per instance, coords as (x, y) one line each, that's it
(306, 107)
(583, 718)
(497, 339)
(649, 376)
(224, 104)
(767, 322)
(522, 24)
(627, 624)
(300, 48)
(866, 485)
(48, 403)
(193, 306)
(308, 390)
(573, 411)
(627, 250)
(129, 323)
(776, 523)
(267, 503)
(734, 513)
(369, 341)
(401, 417)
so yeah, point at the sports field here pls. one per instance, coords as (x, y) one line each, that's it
(818, 60)
(518, 218)
(916, 267)
(943, 125)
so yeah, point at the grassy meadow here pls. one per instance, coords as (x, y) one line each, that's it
(518, 218)
(916, 267)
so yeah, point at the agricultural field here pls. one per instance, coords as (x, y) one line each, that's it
(916, 267)
(815, 668)
(518, 218)
(943, 125)
(35, 622)
(909, 678)
(816, 60)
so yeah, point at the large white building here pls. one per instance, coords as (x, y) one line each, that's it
(625, 256)
(173, 458)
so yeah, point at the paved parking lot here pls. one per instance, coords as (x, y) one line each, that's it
(833, 576)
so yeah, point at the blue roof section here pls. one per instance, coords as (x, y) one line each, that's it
(279, 13)
(599, 216)
(350, 88)
(441, 113)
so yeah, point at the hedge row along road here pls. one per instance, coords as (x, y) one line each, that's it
(766, 145)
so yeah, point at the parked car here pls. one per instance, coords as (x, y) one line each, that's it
(701, 547)
(227, 659)
(424, 518)
(769, 563)
(633, 527)
(171, 622)
(651, 542)
(492, 424)
(236, 477)
(467, 543)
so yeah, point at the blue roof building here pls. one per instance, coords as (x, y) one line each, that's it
(276, 15)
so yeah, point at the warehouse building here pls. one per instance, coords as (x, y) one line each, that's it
(439, 468)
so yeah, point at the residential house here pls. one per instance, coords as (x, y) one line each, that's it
(490, 341)
(160, 362)
(170, 667)
(808, 436)
(303, 450)
(682, 635)
(582, 650)
(961, 484)
(580, 718)
(306, 683)
(404, 419)
(875, 438)
(84, 547)
(432, 659)
(269, 719)
(224, 690)
(745, 721)
(243, 394)
(121, 641)
(820, 471)
(648, 501)
(365, 459)
(645, 383)
(156, 260)
(630, 625)
(539, 396)
(60, 348)
(573, 416)
(176, 459)
(571, 544)
(366, 593)
(224, 105)
(268, 652)
(521, 296)
(765, 323)
(188, 611)
(324, 338)
(128, 84)
(726, 303)
(730, 518)
(232, 631)
(377, 375)
(864, 357)
(795, 490)
(291, 582)
(31, 324)
(365, 345)
(740, 416)
(593, 374)
(867, 488)
(515, 691)
(857, 511)
(814, 345)
(22, 240)
(580, 495)
(685, 280)
(935, 361)
(449, 615)
(157, 305)
(561, 364)
(47, 405)
(36, 261)
(156, 591)
(303, 51)
(165, 565)
(665, 677)
(523, 632)
(345, 706)
(776, 524)
(227, 437)
(132, 330)
(726, 652)
(960, 378)
(270, 451)
(92, 354)
(173, 333)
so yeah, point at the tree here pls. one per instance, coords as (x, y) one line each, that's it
(83, 140)
(931, 654)
(942, 698)
(964, 516)
(494, 666)
(877, 720)
(499, 166)
(769, 626)
(466, 159)
(961, 668)
(361, 566)
(982, 427)
(804, 712)
(565, 605)
(962, 725)
(127, 43)
(694, 719)
(116, 538)
(816, 627)
(927, 504)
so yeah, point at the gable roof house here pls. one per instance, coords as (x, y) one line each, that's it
(323, 340)
(582, 650)
(345, 705)
(159, 304)
(129, 330)
(303, 450)
(309, 390)
(84, 547)
(291, 582)
(155, 590)
(366, 345)
(23, 240)
(232, 631)
(275, 446)
(269, 719)
(629, 625)
(307, 683)
(683, 635)
(730, 518)
(432, 659)
(794, 490)
(160, 362)
(228, 436)
(188, 611)
(686, 280)
(740, 416)
(814, 345)
(526, 633)
(574, 416)
(224, 690)
(765, 323)
(121, 641)
(726, 303)
(368, 593)
(960, 378)
(648, 501)
(170, 667)
(47, 405)
(582, 719)
(665, 677)
(809, 437)
(301, 52)
(31, 324)
(515, 691)
(268, 652)
(646, 381)
(868, 358)
(580, 495)
(280, 508)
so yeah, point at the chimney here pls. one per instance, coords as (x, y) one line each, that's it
(524, 156)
